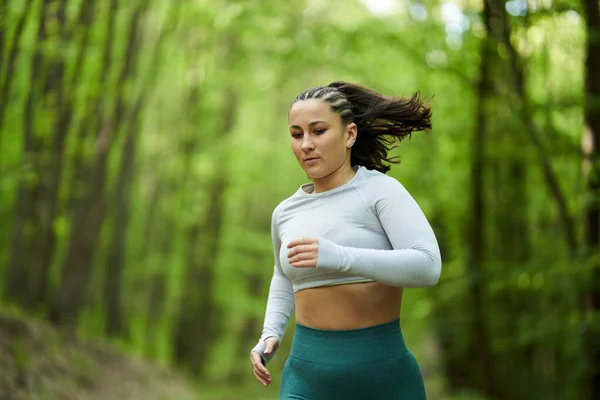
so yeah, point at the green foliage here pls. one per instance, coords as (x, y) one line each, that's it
(213, 81)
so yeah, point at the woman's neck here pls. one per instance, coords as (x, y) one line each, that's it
(333, 180)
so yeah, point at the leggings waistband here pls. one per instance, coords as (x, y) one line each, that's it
(353, 345)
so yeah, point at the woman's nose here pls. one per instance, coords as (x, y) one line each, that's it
(307, 144)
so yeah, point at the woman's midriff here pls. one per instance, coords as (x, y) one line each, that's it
(349, 306)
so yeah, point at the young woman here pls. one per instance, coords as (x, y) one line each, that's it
(345, 246)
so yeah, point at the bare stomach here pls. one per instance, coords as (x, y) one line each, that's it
(350, 306)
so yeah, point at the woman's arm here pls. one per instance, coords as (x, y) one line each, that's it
(280, 302)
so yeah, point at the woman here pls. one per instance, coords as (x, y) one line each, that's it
(345, 245)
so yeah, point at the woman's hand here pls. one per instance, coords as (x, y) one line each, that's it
(304, 252)
(261, 373)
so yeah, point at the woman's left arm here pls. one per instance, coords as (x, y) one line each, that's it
(415, 259)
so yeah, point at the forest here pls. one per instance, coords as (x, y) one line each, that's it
(144, 145)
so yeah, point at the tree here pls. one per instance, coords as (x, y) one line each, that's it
(592, 208)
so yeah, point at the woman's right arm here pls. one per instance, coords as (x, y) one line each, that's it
(280, 303)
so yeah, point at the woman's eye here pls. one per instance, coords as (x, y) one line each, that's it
(319, 131)
(296, 135)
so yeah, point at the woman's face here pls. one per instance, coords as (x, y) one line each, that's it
(321, 143)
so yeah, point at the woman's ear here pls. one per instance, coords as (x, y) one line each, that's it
(351, 132)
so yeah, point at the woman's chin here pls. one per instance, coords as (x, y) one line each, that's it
(316, 176)
(310, 171)
(313, 173)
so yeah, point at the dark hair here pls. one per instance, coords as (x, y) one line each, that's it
(381, 120)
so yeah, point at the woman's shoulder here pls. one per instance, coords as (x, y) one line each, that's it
(377, 182)
(380, 190)
(283, 204)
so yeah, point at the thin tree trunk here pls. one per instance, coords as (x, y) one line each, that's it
(113, 281)
(22, 247)
(9, 68)
(513, 233)
(592, 208)
(115, 262)
(156, 302)
(50, 180)
(64, 306)
(115, 265)
(524, 360)
(3, 28)
(196, 328)
(89, 218)
(479, 339)
(258, 219)
(163, 243)
(198, 321)
(251, 324)
(3, 20)
(40, 294)
(92, 119)
(85, 21)
(552, 182)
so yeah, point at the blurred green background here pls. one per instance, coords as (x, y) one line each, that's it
(144, 146)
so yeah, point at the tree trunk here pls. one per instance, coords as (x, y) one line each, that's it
(526, 114)
(3, 20)
(115, 264)
(24, 225)
(62, 125)
(113, 284)
(198, 319)
(479, 339)
(92, 119)
(8, 68)
(52, 172)
(251, 324)
(89, 218)
(158, 290)
(592, 208)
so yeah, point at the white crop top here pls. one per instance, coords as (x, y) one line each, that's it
(369, 229)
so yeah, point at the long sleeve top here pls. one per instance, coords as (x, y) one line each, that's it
(369, 229)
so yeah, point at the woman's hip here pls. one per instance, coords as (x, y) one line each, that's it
(372, 362)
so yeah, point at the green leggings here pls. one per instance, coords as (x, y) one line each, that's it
(368, 364)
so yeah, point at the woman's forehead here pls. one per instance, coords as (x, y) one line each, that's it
(309, 109)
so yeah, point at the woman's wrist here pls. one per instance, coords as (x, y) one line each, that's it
(328, 257)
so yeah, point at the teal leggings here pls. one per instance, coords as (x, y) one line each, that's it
(368, 364)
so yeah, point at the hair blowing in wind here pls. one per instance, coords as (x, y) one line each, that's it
(382, 121)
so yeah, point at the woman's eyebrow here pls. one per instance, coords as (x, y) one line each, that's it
(311, 124)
